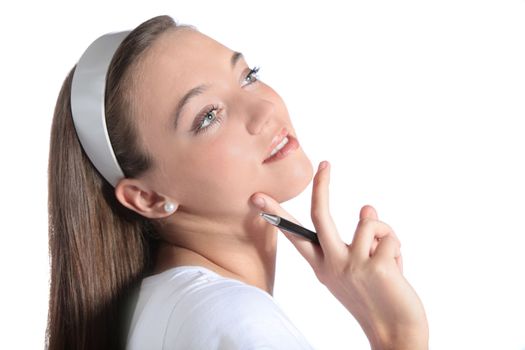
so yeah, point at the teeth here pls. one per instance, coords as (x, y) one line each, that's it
(279, 146)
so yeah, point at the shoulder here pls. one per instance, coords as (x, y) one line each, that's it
(225, 313)
(233, 300)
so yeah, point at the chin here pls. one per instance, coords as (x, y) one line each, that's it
(298, 175)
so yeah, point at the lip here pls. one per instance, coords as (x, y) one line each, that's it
(292, 144)
(276, 140)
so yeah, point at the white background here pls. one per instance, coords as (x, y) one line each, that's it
(418, 105)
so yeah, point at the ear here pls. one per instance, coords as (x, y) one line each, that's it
(134, 195)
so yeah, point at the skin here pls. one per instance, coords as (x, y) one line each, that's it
(210, 176)
(366, 276)
(213, 178)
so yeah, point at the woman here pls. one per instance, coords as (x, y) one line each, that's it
(165, 247)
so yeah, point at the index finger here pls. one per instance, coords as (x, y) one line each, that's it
(329, 238)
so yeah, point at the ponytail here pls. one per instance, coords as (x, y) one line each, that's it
(99, 250)
(96, 254)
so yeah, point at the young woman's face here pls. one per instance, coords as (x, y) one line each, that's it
(209, 149)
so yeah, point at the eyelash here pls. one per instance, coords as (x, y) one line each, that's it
(198, 129)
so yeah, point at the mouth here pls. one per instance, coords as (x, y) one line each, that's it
(282, 144)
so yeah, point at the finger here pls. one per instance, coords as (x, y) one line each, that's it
(329, 238)
(366, 232)
(368, 211)
(309, 250)
(387, 249)
(377, 240)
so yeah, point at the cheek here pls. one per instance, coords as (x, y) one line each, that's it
(231, 159)
(222, 170)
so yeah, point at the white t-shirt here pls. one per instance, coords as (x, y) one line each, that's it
(194, 308)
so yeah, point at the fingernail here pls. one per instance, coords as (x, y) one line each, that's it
(259, 201)
(323, 164)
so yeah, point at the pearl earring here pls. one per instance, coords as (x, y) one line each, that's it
(169, 207)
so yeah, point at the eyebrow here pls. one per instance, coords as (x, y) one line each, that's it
(201, 88)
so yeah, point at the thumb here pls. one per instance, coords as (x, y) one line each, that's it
(310, 251)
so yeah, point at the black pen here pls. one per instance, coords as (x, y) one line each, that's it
(290, 227)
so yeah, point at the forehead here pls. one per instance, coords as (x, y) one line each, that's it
(176, 62)
(181, 54)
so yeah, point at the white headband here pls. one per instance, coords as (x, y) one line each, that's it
(87, 104)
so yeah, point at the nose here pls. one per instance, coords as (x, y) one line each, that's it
(259, 111)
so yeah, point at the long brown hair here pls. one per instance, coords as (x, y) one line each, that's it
(99, 249)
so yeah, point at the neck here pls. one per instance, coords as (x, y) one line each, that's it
(243, 252)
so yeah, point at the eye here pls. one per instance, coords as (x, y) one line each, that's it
(208, 118)
(252, 76)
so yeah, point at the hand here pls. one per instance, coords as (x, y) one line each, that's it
(366, 275)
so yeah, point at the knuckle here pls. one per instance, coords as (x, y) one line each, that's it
(378, 269)
(369, 224)
(386, 226)
(354, 273)
(331, 270)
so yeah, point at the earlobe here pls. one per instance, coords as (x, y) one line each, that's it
(133, 195)
(169, 207)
